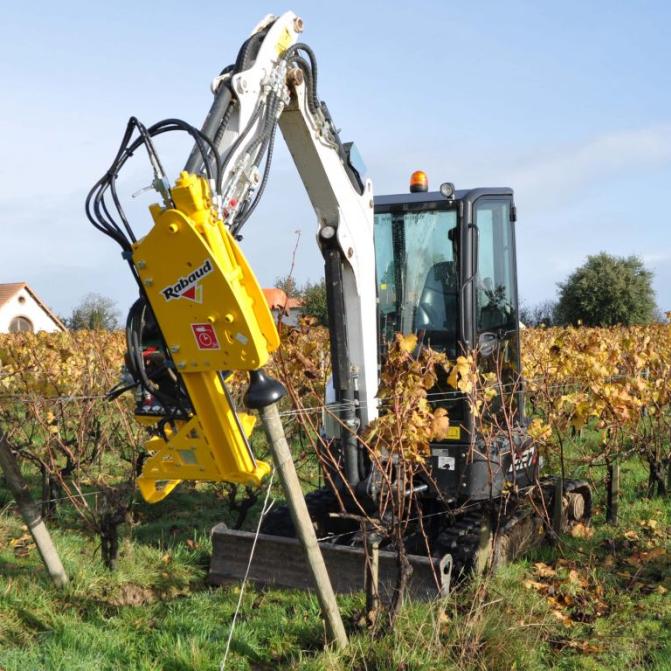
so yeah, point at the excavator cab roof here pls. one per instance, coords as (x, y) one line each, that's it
(384, 202)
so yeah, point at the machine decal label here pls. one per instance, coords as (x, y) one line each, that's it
(523, 460)
(444, 461)
(284, 42)
(189, 285)
(453, 433)
(206, 336)
(447, 463)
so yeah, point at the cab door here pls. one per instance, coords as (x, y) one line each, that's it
(495, 300)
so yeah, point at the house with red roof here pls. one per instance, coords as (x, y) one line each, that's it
(289, 309)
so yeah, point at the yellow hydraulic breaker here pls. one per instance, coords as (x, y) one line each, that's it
(213, 317)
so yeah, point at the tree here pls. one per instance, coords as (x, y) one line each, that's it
(541, 314)
(288, 285)
(314, 301)
(95, 312)
(661, 317)
(605, 291)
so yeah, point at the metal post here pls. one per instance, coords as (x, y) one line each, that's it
(301, 519)
(31, 515)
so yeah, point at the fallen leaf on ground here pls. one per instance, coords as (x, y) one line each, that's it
(534, 584)
(543, 570)
(584, 646)
(563, 618)
(575, 578)
(654, 553)
(23, 545)
(579, 530)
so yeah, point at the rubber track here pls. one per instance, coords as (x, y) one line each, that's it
(461, 539)
(460, 536)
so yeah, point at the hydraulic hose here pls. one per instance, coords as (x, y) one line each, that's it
(218, 111)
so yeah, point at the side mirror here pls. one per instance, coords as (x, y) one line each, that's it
(487, 343)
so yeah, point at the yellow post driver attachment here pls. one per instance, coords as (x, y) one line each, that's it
(213, 317)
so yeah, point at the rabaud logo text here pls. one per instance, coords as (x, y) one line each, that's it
(184, 284)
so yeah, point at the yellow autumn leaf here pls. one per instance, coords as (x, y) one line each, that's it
(440, 425)
(408, 343)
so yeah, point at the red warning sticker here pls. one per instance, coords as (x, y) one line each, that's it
(206, 336)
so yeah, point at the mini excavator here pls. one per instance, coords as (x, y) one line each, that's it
(437, 264)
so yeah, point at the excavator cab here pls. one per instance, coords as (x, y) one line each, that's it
(446, 271)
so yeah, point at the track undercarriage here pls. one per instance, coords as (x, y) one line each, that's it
(472, 538)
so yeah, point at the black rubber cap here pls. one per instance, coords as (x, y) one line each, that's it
(263, 390)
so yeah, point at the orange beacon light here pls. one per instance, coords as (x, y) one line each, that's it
(419, 181)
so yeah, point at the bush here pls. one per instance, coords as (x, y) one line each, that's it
(606, 291)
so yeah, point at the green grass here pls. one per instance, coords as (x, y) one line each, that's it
(155, 612)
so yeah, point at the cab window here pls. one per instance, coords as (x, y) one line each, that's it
(495, 296)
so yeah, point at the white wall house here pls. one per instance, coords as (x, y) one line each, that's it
(21, 309)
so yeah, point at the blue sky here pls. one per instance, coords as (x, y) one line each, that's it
(569, 103)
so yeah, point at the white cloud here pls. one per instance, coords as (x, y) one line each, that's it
(603, 157)
(656, 258)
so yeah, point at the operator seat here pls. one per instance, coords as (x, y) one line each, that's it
(438, 308)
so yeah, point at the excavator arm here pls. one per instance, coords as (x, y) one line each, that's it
(279, 84)
(201, 312)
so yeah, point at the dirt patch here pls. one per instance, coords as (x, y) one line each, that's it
(130, 594)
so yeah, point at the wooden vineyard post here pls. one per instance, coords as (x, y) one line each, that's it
(31, 514)
(372, 577)
(613, 493)
(262, 395)
(557, 506)
(301, 518)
